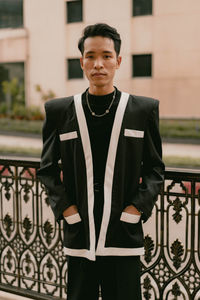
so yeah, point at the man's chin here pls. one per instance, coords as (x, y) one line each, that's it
(99, 84)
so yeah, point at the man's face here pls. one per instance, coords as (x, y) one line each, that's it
(99, 62)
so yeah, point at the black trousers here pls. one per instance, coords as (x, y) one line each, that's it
(117, 276)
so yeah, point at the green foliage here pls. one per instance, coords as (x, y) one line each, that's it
(45, 95)
(182, 161)
(24, 126)
(21, 112)
(180, 128)
(15, 90)
(19, 151)
(26, 113)
(15, 108)
(3, 109)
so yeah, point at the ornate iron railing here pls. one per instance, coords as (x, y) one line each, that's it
(32, 262)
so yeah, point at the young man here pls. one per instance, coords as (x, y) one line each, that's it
(110, 149)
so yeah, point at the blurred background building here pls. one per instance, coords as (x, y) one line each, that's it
(160, 48)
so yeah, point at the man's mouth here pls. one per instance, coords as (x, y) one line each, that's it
(98, 74)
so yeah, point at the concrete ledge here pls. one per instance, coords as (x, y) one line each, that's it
(13, 33)
(9, 296)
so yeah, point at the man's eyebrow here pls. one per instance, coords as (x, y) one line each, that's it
(89, 52)
(92, 52)
(107, 51)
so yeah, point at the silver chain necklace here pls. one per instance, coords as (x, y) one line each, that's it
(107, 110)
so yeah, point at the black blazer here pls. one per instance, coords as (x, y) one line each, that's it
(133, 175)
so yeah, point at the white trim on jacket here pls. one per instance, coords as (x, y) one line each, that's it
(129, 218)
(68, 136)
(134, 133)
(73, 219)
(90, 254)
(108, 183)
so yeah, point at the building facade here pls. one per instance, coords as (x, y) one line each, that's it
(160, 48)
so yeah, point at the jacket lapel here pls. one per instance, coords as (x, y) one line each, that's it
(89, 168)
(109, 172)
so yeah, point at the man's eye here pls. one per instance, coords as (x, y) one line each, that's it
(107, 56)
(89, 56)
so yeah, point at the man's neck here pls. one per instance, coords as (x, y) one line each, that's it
(100, 91)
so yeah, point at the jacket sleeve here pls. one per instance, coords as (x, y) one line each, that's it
(49, 172)
(153, 167)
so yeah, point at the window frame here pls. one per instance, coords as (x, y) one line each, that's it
(148, 74)
(74, 20)
(134, 11)
(69, 77)
(10, 19)
(10, 76)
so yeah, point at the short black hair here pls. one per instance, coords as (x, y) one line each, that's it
(100, 29)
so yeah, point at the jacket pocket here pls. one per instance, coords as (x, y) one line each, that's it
(134, 133)
(68, 136)
(129, 218)
(73, 219)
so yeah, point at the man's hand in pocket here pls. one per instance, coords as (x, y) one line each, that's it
(71, 210)
(132, 210)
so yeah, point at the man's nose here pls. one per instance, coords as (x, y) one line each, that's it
(98, 63)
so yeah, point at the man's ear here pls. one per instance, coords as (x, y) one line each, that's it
(119, 60)
(81, 62)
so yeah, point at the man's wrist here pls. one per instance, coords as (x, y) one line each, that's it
(131, 209)
(71, 210)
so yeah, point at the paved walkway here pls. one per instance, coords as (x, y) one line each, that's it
(169, 149)
(22, 142)
(186, 150)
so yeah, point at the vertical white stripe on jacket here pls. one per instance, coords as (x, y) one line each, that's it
(90, 254)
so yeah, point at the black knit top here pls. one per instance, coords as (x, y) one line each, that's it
(100, 129)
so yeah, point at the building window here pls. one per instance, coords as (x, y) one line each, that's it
(142, 7)
(74, 69)
(142, 65)
(74, 11)
(11, 13)
(8, 72)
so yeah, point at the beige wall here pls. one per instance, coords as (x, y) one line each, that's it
(171, 34)
(13, 39)
(44, 21)
(177, 57)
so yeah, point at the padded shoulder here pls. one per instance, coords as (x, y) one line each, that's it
(144, 100)
(59, 105)
(147, 104)
(58, 109)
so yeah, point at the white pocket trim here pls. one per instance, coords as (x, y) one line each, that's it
(73, 219)
(68, 136)
(134, 133)
(129, 218)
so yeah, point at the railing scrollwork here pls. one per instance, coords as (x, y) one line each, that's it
(32, 262)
